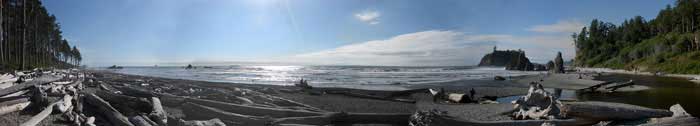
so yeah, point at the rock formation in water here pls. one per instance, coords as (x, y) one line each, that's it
(511, 59)
(556, 66)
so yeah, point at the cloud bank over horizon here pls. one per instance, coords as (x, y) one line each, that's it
(446, 47)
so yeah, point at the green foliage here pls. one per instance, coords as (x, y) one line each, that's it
(669, 43)
(30, 37)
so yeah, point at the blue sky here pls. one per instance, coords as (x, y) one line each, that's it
(329, 32)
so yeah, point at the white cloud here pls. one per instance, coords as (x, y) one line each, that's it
(562, 26)
(420, 48)
(438, 48)
(370, 17)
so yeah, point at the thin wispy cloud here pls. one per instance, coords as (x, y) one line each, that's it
(562, 26)
(369, 17)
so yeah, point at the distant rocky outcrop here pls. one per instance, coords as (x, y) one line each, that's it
(511, 59)
(556, 66)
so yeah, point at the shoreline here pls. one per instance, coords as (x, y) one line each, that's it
(691, 77)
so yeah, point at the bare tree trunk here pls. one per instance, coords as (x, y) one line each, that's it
(2, 32)
(24, 32)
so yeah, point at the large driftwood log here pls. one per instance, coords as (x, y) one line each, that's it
(252, 110)
(611, 111)
(43, 114)
(18, 93)
(19, 87)
(114, 116)
(615, 87)
(595, 87)
(127, 105)
(347, 118)
(158, 115)
(196, 111)
(13, 100)
(13, 108)
(680, 118)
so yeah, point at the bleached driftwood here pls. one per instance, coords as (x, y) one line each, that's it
(25, 85)
(127, 105)
(43, 114)
(680, 118)
(114, 116)
(252, 110)
(90, 121)
(4, 85)
(65, 103)
(537, 104)
(611, 111)
(339, 118)
(211, 122)
(158, 115)
(13, 108)
(13, 100)
(197, 111)
(18, 93)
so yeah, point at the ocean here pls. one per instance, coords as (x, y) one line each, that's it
(374, 77)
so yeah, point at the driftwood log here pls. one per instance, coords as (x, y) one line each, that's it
(22, 86)
(13, 107)
(105, 109)
(43, 114)
(139, 121)
(680, 118)
(611, 111)
(339, 118)
(127, 105)
(615, 87)
(18, 93)
(252, 110)
(211, 122)
(13, 100)
(196, 111)
(158, 115)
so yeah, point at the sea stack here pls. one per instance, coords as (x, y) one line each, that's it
(558, 66)
(511, 59)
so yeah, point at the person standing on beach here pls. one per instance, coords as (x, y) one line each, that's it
(471, 93)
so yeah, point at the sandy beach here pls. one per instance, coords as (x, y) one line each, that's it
(172, 92)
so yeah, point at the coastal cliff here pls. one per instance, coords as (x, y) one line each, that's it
(511, 59)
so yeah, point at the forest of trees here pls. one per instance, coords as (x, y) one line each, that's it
(30, 38)
(668, 43)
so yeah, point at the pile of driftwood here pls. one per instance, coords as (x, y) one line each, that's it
(539, 107)
(43, 92)
(237, 106)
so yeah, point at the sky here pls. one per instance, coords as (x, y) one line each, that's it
(329, 32)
